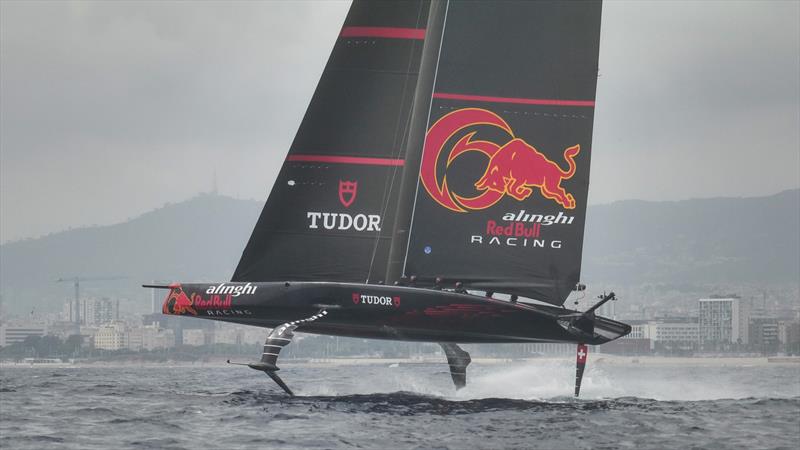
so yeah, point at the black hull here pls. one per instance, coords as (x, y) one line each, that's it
(383, 312)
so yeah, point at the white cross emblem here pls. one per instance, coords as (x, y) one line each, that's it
(581, 354)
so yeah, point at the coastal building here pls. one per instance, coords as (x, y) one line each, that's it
(636, 342)
(179, 325)
(62, 329)
(548, 348)
(674, 331)
(788, 333)
(253, 335)
(723, 321)
(135, 337)
(666, 334)
(154, 337)
(93, 311)
(15, 333)
(638, 330)
(227, 336)
(764, 333)
(100, 311)
(194, 338)
(236, 334)
(112, 336)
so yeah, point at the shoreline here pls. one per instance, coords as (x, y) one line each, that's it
(599, 359)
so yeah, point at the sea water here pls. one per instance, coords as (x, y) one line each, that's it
(510, 405)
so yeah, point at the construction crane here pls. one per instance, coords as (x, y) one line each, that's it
(77, 283)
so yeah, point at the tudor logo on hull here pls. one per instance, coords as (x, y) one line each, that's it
(515, 168)
(233, 290)
(376, 300)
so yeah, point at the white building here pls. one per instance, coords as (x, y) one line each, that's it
(638, 330)
(135, 337)
(112, 336)
(100, 311)
(724, 320)
(253, 335)
(664, 331)
(788, 331)
(227, 336)
(93, 311)
(194, 337)
(12, 334)
(673, 331)
(154, 337)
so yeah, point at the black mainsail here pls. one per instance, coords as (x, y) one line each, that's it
(331, 209)
(446, 148)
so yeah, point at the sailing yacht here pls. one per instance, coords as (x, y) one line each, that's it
(436, 188)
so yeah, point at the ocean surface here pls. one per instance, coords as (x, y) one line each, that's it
(510, 405)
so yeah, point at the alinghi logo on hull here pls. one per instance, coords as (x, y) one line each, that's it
(234, 290)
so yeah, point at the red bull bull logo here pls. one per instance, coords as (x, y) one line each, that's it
(178, 303)
(515, 169)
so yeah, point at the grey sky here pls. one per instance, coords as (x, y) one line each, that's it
(108, 110)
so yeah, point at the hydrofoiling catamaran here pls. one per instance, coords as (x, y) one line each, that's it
(443, 160)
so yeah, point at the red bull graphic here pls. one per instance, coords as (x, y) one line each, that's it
(181, 303)
(178, 303)
(515, 168)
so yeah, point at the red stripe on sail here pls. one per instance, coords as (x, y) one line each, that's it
(384, 32)
(357, 160)
(521, 101)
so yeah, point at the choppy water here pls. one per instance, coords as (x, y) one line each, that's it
(411, 406)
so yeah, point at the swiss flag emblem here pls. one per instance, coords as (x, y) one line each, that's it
(347, 192)
(583, 352)
(396, 302)
(356, 298)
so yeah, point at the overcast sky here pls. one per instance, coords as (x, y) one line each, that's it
(108, 110)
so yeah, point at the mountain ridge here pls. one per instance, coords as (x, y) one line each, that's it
(719, 240)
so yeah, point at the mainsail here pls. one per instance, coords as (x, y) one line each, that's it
(331, 209)
(445, 140)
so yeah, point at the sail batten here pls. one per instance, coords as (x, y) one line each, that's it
(341, 159)
(521, 101)
(384, 32)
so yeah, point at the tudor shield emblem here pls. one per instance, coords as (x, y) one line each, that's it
(347, 192)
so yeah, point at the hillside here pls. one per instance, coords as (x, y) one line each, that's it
(199, 239)
(695, 241)
(720, 240)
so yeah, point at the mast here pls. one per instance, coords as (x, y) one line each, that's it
(420, 113)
